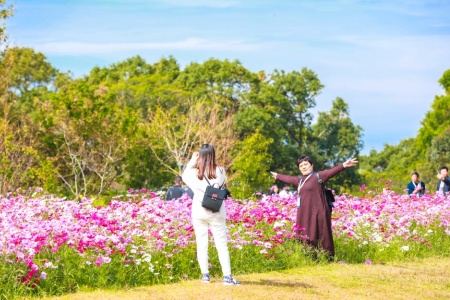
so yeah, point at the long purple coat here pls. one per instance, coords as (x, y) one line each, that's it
(314, 215)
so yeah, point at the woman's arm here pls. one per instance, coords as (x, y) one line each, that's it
(327, 174)
(189, 175)
(286, 178)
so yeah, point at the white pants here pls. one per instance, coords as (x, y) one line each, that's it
(219, 230)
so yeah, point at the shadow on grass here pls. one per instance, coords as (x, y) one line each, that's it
(281, 283)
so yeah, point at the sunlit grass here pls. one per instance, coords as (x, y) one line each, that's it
(417, 279)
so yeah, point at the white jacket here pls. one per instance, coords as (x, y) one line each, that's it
(199, 187)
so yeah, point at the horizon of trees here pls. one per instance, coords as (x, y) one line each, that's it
(135, 124)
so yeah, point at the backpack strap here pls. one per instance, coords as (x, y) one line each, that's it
(330, 201)
(319, 179)
(220, 187)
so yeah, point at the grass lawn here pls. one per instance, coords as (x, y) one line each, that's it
(420, 279)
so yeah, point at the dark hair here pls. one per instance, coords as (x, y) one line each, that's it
(304, 158)
(443, 167)
(206, 162)
(415, 173)
(178, 179)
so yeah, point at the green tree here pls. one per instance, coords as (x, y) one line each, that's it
(437, 119)
(142, 168)
(140, 85)
(295, 94)
(394, 163)
(87, 134)
(19, 161)
(439, 152)
(226, 82)
(280, 109)
(251, 166)
(30, 70)
(337, 139)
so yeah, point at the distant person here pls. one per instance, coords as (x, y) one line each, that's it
(274, 190)
(175, 191)
(416, 187)
(190, 193)
(443, 185)
(285, 192)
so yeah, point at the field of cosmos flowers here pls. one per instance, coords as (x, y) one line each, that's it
(52, 246)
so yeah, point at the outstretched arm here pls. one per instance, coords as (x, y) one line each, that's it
(286, 178)
(327, 174)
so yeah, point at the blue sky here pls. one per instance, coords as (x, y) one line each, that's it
(383, 57)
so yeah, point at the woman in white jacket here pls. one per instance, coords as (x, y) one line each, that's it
(202, 164)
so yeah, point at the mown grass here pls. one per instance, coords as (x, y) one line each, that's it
(419, 279)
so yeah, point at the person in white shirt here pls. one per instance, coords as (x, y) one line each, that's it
(201, 165)
(285, 192)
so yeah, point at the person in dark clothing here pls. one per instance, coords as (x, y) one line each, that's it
(176, 191)
(443, 185)
(190, 193)
(313, 211)
(416, 187)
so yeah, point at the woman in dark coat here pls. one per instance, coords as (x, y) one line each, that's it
(313, 211)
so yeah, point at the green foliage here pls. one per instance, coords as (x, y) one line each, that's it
(225, 82)
(30, 69)
(445, 81)
(335, 128)
(394, 163)
(295, 96)
(87, 134)
(337, 139)
(280, 109)
(251, 167)
(134, 123)
(5, 12)
(437, 120)
(439, 152)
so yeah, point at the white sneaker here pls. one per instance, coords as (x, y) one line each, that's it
(205, 278)
(229, 280)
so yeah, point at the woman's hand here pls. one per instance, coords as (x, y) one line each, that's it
(274, 175)
(195, 156)
(350, 163)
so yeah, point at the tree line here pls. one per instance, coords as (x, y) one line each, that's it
(134, 124)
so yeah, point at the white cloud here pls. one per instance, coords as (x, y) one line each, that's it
(81, 48)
